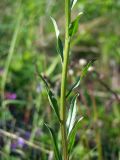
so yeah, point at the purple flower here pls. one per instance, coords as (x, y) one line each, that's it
(17, 143)
(13, 145)
(11, 96)
(27, 135)
(20, 142)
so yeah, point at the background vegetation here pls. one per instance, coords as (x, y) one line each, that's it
(27, 39)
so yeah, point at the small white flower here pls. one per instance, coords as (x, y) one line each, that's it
(82, 62)
(71, 72)
(91, 68)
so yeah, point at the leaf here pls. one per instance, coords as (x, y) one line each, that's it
(74, 25)
(6, 102)
(53, 103)
(56, 27)
(43, 79)
(72, 113)
(56, 150)
(73, 2)
(51, 97)
(78, 80)
(60, 48)
(71, 137)
(59, 42)
(77, 83)
(85, 69)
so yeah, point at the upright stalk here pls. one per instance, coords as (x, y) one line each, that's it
(10, 55)
(64, 80)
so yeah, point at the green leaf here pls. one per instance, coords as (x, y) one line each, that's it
(44, 81)
(73, 2)
(56, 27)
(53, 103)
(85, 69)
(54, 141)
(6, 102)
(51, 97)
(72, 113)
(78, 80)
(71, 137)
(59, 42)
(77, 83)
(74, 25)
(60, 48)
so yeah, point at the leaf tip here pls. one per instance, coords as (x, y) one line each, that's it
(55, 26)
(80, 13)
(81, 118)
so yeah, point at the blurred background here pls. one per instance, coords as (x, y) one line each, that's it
(27, 40)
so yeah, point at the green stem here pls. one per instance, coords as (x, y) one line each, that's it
(7, 65)
(64, 80)
(10, 55)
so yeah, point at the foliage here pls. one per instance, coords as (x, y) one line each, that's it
(28, 40)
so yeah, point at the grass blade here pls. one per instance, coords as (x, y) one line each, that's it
(11, 52)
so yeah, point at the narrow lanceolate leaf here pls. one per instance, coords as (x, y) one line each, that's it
(74, 25)
(53, 103)
(42, 78)
(56, 27)
(85, 69)
(55, 144)
(78, 80)
(73, 2)
(44, 81)
(60, 48)
(59, 42)
(51, 97)
(77, 83)
(72, 113)
(72, 135)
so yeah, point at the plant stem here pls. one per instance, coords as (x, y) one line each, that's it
(7, 65)
(64, 80)
(10, 55)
